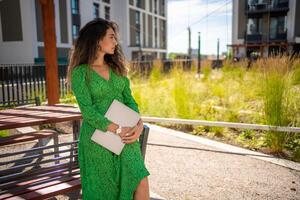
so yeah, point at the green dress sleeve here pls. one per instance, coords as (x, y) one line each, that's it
(83, 97)
(128, 98)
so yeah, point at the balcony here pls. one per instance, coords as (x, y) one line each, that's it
(253, 37)
(278, 37)
(259, 38)
(260, 7)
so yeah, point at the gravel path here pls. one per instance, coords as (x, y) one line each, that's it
(182, 169)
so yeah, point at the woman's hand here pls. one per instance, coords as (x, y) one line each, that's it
(134, 134)
(126, 131)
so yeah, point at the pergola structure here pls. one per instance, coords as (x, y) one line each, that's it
(48, 16)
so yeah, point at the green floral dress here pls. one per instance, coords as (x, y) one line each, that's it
(104, 175)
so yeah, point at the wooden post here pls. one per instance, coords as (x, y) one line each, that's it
(50, 51)
(261, 49)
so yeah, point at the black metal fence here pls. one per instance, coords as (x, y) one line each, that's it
(22, 84)
(25, 84)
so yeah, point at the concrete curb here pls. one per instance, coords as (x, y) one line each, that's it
(226, 147)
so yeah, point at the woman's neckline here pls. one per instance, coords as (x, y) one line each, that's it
(109, 74)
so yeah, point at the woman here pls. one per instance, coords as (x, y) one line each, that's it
(97, 75)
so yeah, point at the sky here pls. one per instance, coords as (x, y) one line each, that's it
(210, 17)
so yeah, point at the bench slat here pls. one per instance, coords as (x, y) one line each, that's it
(19, 190)
(50, 191)
(23, 166)
(37, 156)
(38, 177)
(14, 139)
(39, 148)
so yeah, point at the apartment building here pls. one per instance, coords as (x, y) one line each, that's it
(143, 27)
(265, 27)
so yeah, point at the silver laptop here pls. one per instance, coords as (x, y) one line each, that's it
(121, 115)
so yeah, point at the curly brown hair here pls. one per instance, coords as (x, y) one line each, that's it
(85, 47)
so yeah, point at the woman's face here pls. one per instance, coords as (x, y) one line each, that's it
(109, 42)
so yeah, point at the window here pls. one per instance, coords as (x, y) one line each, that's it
(263, 1)
(163, 8)
(163, 33)
(254, 26)
(137, 17)
(255, 2)
(277, 26)
(280, 3)
(96, 10)
(258, 4)
(75, 31)
(155, 6)
(138, 3)
(252, 4)
(137, 28)
(75, 6)
(150, 5)
(11, 26)
(137, 38)
(106, 1)
(155, 32)
(107, 12)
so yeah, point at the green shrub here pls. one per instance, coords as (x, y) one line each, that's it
(276, 97)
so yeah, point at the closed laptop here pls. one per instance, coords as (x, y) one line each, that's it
(119, 114)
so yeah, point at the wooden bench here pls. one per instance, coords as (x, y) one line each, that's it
(19, 138)
(44, 171)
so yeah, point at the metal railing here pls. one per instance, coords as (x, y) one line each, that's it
(265, 37)
(223, 124)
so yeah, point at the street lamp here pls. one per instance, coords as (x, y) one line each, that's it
(199, 54)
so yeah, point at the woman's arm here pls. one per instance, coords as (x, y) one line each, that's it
(128, 98)
(130, 102)
(83, 96)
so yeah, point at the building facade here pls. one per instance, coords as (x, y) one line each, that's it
(265, 27)
(142, 23)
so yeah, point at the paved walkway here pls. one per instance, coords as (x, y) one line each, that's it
(185, 169)
(189, 167)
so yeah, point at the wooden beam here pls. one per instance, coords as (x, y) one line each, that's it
(48, 16)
